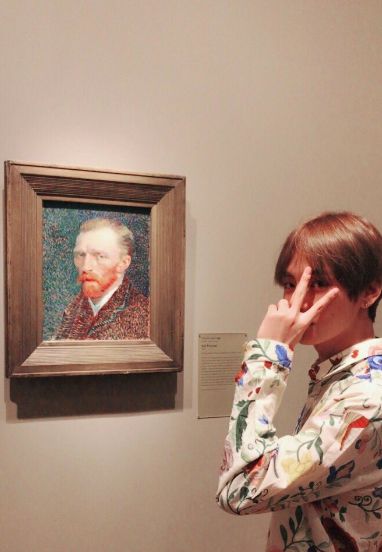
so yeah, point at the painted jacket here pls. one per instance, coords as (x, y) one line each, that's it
(324, 482)
(124, 316)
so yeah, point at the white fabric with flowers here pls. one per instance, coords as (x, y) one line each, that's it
(324, 483)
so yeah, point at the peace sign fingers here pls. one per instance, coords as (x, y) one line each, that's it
(287, 321)
(319, 306)
(300, 291)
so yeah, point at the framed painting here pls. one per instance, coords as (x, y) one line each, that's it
(94, 271)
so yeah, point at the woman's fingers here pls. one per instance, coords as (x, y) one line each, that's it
(320, 305)
(285, 322)
(283, 305)
(301, 289)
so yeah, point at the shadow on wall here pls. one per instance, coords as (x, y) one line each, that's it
(89, 395)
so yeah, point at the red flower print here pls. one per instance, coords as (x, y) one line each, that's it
(267, 363)
(255, 467)
(341, 540)
(227, 458)
(359, 423)
(313, 371)
(355, 353)
(239, 376)
(312, 374)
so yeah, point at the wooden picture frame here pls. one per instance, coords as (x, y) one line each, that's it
(27, 186)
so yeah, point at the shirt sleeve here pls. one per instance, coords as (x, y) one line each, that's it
(339, 447)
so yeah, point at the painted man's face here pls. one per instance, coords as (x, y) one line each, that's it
(99, 261)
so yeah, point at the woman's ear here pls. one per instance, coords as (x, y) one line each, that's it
(371, 294)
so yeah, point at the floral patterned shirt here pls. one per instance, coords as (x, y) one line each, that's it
(324, 482)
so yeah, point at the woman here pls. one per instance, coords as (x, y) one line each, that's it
(324, 483)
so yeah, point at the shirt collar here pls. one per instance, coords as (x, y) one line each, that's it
(346, 358)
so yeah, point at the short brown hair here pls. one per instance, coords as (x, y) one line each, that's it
(346, 245)
(125, 236)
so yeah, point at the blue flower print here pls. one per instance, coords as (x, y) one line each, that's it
(377, 492)
(375, 362)
(364, 376)
(264, 420)
(282, 356)
(343, 472)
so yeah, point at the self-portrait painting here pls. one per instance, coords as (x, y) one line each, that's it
(95, 273)
(96, 282)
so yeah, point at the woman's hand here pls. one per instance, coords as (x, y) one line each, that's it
(285, 322)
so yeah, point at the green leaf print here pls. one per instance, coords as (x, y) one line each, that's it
(263, 350)
(243, 492)
(241, 424)
(298, 515)
(371, 537)
(292, 525)
(317, 444)
(284, 534)
(342, 513)
(255, 356)
(255, 345)
(241, 403)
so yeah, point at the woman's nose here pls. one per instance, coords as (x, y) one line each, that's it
(307, 301)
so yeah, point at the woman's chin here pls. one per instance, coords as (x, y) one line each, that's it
(309, 337)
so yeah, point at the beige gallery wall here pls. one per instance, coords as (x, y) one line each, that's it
(272, 110)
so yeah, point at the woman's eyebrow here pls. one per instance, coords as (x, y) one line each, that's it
(320, 272)
(287, 275)
(317, 272)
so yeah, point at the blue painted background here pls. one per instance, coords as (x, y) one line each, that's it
(61, 221)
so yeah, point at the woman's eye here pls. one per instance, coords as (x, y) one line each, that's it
(319, 284)
(288, 285)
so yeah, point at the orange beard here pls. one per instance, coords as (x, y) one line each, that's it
(94, 286)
